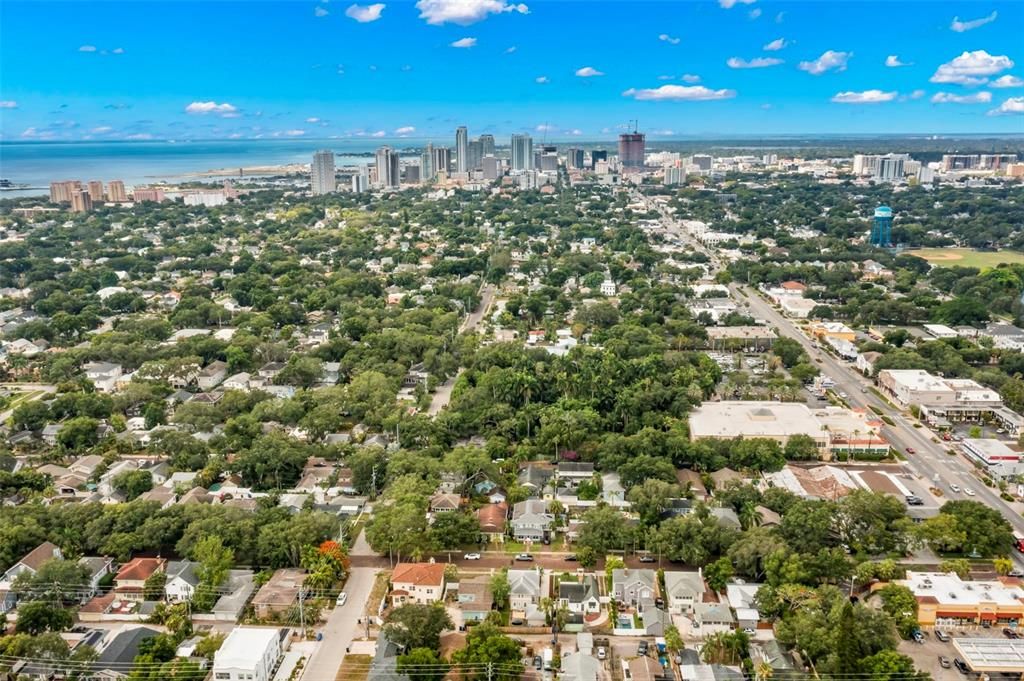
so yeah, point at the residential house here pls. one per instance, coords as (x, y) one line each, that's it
(131, 578)
(580, 598)
(492, 519)
(524, 591)
(269, 371)
(535, 477)
(743, 600)
(612, 491)
(28, 565)
(211, 375)
(712, 618)
(866, 362)
(445, 503)
(726, 517)
(692, 480)
(683, 590)
(239, 381)
(103, 375)
(86, 465)
(571, 474)
(118, 651)
(417, 583)
(181, 580)
(248, 653)
(475, 599)
(531, 520)
(579, 667)
(50, 432)
(655, 620)
(97, 567)
(629, 586)
(723, 476)
(645, 668)
(279, 593)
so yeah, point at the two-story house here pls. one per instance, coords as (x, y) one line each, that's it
(28, 565)
(103, 375)
(531, 520)
(580, 598)
(181, 580)
(629, 586)
(524, 591)
(475, 598)
(130, 580)
(683, 590)
(211, 375)
(417, 583)
(571, 474)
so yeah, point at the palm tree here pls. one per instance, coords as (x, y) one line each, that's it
(749, 516)
(763, 671)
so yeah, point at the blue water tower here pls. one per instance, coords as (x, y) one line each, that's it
(881, 232)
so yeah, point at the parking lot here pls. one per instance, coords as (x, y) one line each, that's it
(926, 655)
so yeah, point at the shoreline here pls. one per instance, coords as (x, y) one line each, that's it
(243, 171)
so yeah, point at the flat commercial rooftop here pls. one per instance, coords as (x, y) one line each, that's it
(991, 654)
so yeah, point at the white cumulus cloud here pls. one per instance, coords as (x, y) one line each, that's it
(117, 50)
(588, 72)
(1014, 105)
(101, 130)
(893, 62)
(464, 42)
(1007, 81)
(754, 13)
(729, 4)
(8, 104)
(971, 68)
(224, 109)
(511, 50)
(544, 127)
(755, 63)
(690, 78)
(294, 133)
(864, 97)
(405, 130)
(678, 93)
(666, 38)
(364, 14)
(379, 133)
(541, 80)
(575, 132)
(961, 26)
(87, 48)
(830, 60)
(917, 94)
(464, 12)
(949, 98)
(776, 45)
(320, 12)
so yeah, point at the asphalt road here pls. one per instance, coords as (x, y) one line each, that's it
(342, 627)
(443, 394)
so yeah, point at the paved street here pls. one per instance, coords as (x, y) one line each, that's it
(443, 394)
(341, 628)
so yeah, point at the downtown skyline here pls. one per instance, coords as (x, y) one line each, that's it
(555, 70)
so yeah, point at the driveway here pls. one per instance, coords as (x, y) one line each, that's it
(341, 628)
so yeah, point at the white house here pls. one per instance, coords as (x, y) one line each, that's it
(181, 580)
(103, 375)
(417, 583)
(683, 590)
(247, 654)
(239, 381)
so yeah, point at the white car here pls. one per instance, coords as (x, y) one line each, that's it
(968, 491)
(471, 556)
(342, 599)
(955, 488)
(601, 653)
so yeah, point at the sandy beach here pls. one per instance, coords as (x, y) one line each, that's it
(253, 170)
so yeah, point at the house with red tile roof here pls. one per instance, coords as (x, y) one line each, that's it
(131, 578)
(492, 519)
(417, 583)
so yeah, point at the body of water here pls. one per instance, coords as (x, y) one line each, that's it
(36, 164)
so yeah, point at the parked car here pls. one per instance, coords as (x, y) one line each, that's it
(342, 599)
(646, 558)
(642, 648)
(941, 635)
(1015, 572)
(944, 662)
(1010, 633)
(524, 556)
(918, 636)
(538, 662)
(571, 558)
(961, 666)
(914, 500)
(602, 653)
(471, 556)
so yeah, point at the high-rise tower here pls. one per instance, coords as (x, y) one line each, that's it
(462, 150)
(322, 170)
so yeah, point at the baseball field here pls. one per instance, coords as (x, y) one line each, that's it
(967, 257)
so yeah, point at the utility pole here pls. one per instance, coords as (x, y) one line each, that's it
(302, 613)
(374, 482)
(490, 669)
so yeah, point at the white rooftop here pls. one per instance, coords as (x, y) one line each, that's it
(949, 589)
(244, 646)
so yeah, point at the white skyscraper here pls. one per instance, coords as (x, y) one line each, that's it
(428, 171)
(522, 152)
(324, 181)
(462, 149)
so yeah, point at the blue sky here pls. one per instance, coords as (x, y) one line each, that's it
(302, 68)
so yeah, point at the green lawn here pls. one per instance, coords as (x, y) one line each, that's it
(966, 257)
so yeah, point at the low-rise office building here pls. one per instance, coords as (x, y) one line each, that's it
(248, 654)
(996, 456)
(943, 401)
